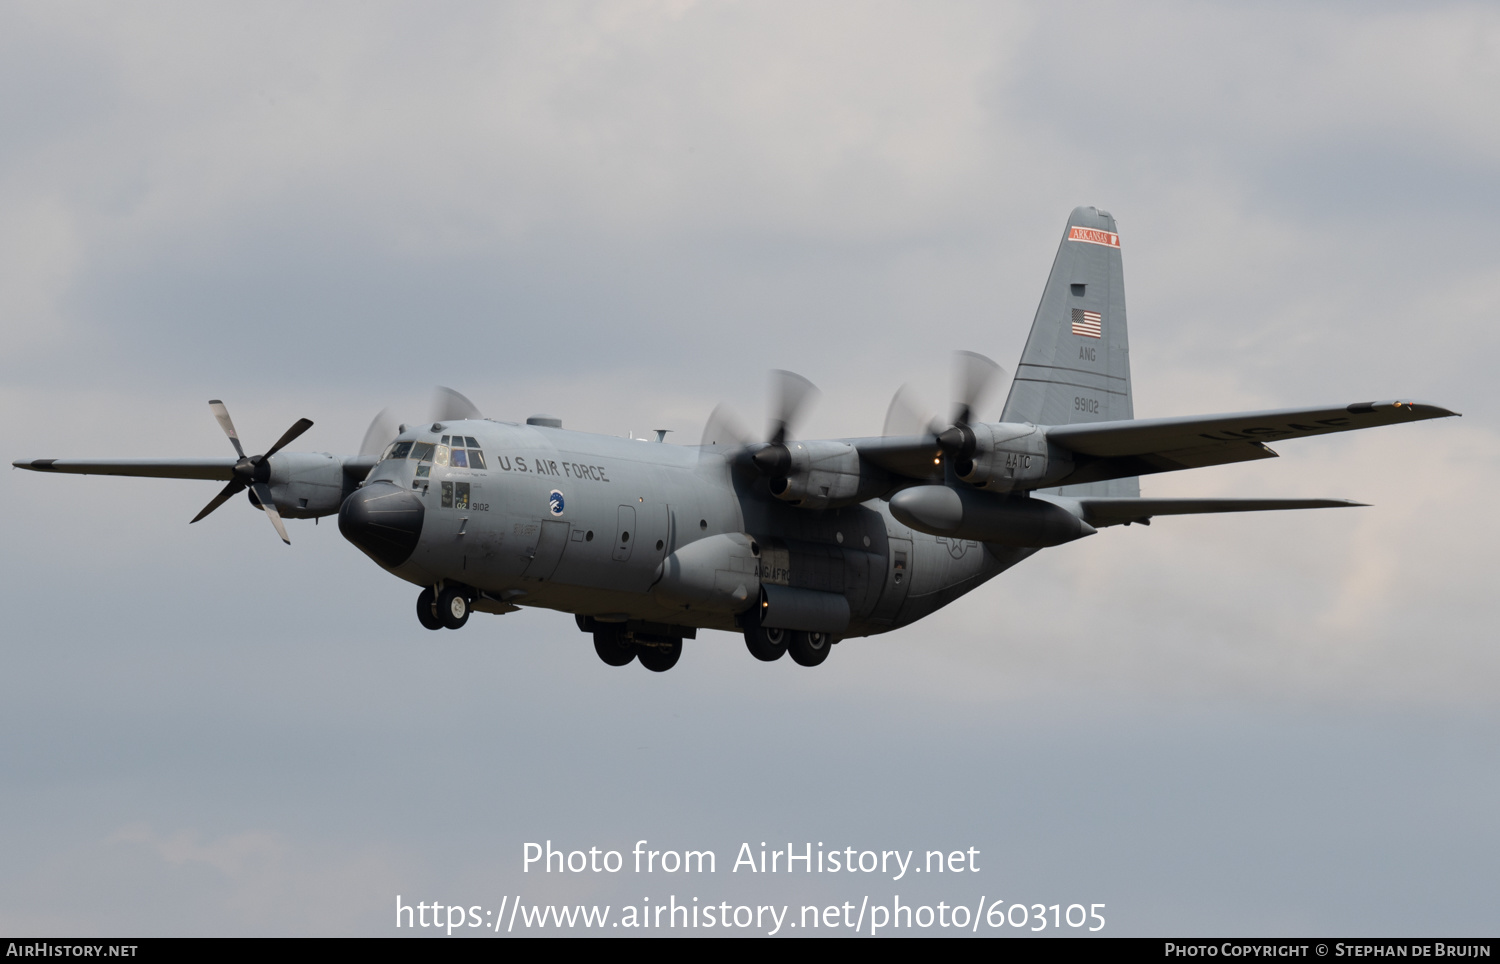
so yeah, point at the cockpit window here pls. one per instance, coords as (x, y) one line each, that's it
(463, 453)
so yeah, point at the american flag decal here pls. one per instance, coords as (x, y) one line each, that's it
(1090, 324)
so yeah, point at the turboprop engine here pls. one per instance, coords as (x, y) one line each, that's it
(1003, 456)
(306, 485)
(818, 475)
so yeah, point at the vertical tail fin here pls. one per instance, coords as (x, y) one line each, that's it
(1076, 365)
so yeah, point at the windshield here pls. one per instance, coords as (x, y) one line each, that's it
(463, 453)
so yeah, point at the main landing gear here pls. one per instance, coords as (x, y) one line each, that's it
(617, 646)
(448, 609)
(767, 643)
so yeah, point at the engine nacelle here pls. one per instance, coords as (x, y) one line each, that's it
(720, 573)
(1004, 456)
(306, 485)
(820, 475)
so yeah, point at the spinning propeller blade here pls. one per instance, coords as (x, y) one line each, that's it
(790, 393)
(252, 472)
(225, 494)
(263, 496)
(974, 376)
(222, 414)
(908, 414)
(974, 380)
(447, 406)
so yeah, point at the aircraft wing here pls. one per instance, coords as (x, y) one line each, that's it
(1197, 440)
(1101, 512)
(910, 456)
(220, 468)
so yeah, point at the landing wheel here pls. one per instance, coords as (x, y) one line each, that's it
(659, 657)
(452, 608)
(810, 649)
(612, 645)
(766, 644)
(427, 609)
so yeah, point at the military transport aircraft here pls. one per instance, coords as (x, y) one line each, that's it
(795, 544)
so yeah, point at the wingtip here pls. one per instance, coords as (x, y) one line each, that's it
(1420, 409)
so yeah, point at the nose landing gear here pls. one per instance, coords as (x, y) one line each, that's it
(448, 609)
(427, 609)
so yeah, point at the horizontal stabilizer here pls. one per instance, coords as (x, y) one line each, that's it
(221, 468)
(1100, 512)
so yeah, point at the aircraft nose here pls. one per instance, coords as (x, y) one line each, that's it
(383, 520)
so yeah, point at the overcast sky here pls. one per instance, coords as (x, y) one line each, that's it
(622, 214)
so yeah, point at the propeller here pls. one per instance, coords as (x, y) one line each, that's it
(790, 395)
(252, 472)
(908, 414)
(974, 380)
(974, 376)
(724, 428)
(447, 406)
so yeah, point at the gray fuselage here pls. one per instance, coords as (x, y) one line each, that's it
(582, 523)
